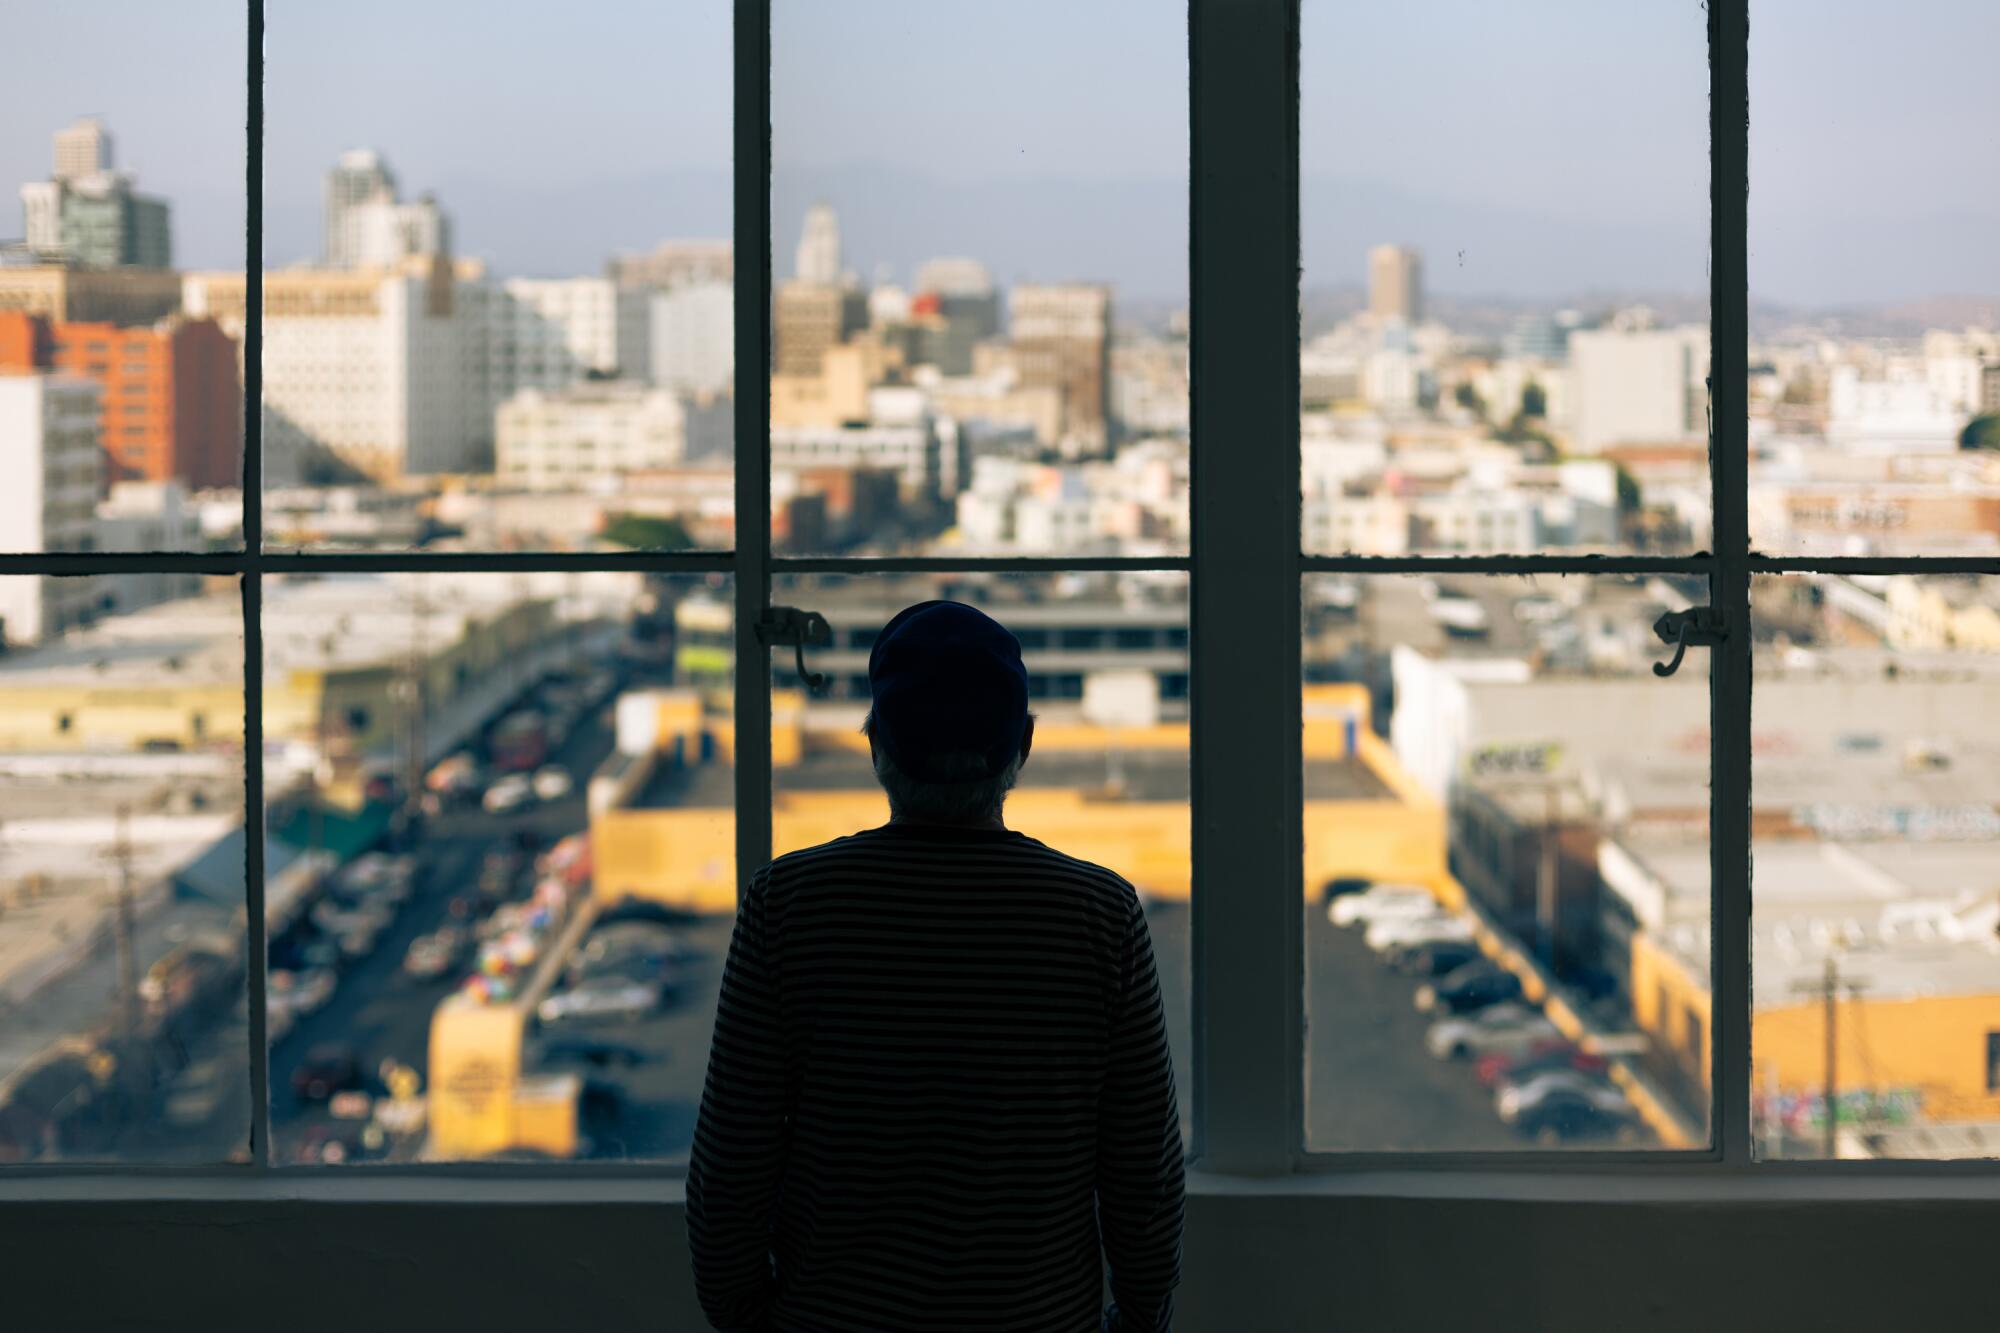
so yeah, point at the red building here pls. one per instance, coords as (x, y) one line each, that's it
(172, 401)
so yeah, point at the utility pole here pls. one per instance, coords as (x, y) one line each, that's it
(1545, 877)
(1828, 989)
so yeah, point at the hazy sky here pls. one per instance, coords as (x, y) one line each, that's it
(1559, 144)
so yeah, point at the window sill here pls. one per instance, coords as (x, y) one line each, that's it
(1694, 1183)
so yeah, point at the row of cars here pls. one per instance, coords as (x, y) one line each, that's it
(355, 909)
(1545, 1086)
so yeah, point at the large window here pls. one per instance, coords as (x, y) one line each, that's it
(413, 629)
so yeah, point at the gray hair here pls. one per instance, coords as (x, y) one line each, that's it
(966, 799)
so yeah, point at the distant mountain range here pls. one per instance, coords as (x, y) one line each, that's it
(1484, 264)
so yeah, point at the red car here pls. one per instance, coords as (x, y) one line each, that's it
(1496, 1069)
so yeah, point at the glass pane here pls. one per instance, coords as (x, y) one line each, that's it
(120, 410)
(981, 310)
(502, 858)
(1504, 304)
(1107, 776)
(123, 1034)
(1874, 312)
(1506, 873)
(1876, 883)
(498, 309)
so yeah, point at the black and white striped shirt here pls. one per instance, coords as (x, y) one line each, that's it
(939, 1077)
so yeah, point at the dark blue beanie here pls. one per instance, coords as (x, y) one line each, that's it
(946, 678)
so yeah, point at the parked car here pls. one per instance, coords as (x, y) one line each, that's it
(1383, 936)
(633, 949)
(197, 1095)
(1432, 958)
(1496, 1029)
(1380, 903)
(325, 1070)
(509, 793)
(1567, 1105)
(1474, 986)
(436, 953)
(1340, 886)
(1494, 1070)
(551, 782)
(1538, 609)
(600, 998)
(336, 918)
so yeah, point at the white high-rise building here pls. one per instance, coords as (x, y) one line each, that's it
(384, 373)
(84, 149)
(49, 455)
(359, 177)
(693, 337)
(1638, 386)
(818, 256)
(383, 233)
(551, 332)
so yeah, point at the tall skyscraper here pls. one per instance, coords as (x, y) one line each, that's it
(1396, 283)
(810, 318)
(84, 149)
(89, 214)
(360, 177)
(1061, 335)
(818, 258)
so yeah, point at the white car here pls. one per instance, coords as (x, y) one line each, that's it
(1514, 1099)
(1538, 609)
(551, 783)
(1405, 932)
(1384, 902)
(312, 989)
(1499, 1029)
(510, 792)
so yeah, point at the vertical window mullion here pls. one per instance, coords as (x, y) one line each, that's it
(1248, 927)
(256, 946)
(752, 264)
(1729, 680)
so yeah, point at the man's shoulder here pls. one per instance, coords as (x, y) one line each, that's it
(1033, 856)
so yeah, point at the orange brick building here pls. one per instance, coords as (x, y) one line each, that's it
(172, 405)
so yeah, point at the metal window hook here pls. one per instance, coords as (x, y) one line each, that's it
(1697, 627)
(782, 625)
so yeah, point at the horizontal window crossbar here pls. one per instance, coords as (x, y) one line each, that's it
(1700, 563)
(1875, 564)
(781, 565)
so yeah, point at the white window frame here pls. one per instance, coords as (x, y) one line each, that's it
(1245, 569)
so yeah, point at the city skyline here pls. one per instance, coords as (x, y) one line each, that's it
(1619, 205)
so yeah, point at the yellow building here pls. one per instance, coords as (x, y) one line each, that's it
(124, 296)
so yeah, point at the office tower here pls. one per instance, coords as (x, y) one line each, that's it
(1061, 336)
(818, 257)
(551, 332)
(370, 373)
(383, 232)
(1396, 283)
(811, 317)
(968, 304)
(674, 264)
(84, 149)
(171, 403)
(357, 178)
(48, 454)
(90, 215)
(693, 337)
(1637, 386)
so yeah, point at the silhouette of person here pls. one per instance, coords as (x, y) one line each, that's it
(940, 1076)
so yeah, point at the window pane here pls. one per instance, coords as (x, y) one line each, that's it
(498, 312)
(1875, 312)
(502, 862)
(1505, 311)
(123, 1034)
(1875, 875)
(980, 246)
(120, 411)
(1506, 875)
(1107, 777)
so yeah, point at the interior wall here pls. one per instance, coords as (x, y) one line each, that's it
(1373, 1265)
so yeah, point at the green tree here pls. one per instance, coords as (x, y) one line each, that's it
(1628, 491)
(647, 532)
(1468, 398)
(1982, 432)
(1534, 400)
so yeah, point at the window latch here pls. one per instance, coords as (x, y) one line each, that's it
(1696, 627)
(782, 625)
